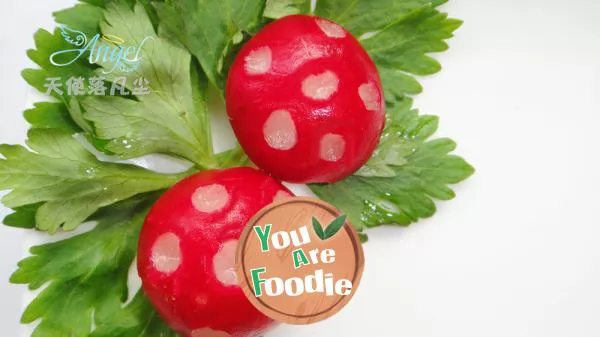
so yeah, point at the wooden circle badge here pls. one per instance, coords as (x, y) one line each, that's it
(299, 261)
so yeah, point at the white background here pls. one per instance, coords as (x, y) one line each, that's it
(517, 253)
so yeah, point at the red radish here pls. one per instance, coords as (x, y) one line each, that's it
(305, 100)
(186, 255)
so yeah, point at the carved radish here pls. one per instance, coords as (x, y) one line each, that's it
(305, 100)
(186, 255)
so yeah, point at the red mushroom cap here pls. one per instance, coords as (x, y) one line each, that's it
(186, 255)
(305, 100)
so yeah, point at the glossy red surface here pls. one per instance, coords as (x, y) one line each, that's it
(299, 49)
(191, 298)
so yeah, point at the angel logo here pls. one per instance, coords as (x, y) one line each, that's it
(108, 50)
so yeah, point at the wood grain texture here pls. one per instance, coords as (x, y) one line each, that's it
(290, 215)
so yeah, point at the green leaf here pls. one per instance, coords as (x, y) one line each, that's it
(409, 195)
(393, 148)
(137, 319)
(334, 227)
(397, 84)
(46, 115)
(233, 158)
(148, 5)
(245, 14)
(69, 180)
(405, 44)
(276, 9)
(47, 44)
(97, 3)
(23, 217)
(170, 25)
(173, 118)
(104, 3)
(83, 17)
(207, 28)
(331, 230)
(364, 16)
(399, 48)
(318, 228)
(86, 274)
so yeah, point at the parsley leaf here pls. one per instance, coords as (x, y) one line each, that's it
(84, 17)
(23, 217)
(137, 319)
(233, 158)
(207, 28)
(46, 44)
(46, 115)
(86, 274)
(397, 84)
(364, 16)
(173, 118)
(404, 45)
(69, 180)
(408, 195)
(276, 9)
(393, 149)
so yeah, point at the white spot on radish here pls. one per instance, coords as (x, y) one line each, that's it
(331, 29)
(224, 263)
(166, 254)
(281, 195)
(210, 198)
(280, 131)
(332, 147)
(208, 332)
(370, 96)
(320, 87)
(259, 61)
